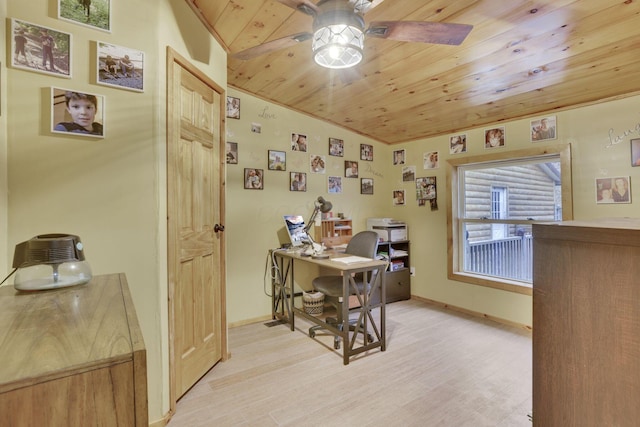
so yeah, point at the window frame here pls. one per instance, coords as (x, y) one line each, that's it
(454, 232)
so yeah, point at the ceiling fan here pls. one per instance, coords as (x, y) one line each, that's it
(339, 32)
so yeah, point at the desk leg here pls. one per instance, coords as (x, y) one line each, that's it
(346, 343)
(383, 309)
(282, 291)
(366, 321)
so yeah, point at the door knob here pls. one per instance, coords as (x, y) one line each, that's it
(218, 227)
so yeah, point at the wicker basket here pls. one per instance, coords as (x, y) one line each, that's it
(313, 303)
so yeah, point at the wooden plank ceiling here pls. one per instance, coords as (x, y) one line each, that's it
(521, 59)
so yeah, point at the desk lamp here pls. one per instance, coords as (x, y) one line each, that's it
(50, 261)
(320, 205)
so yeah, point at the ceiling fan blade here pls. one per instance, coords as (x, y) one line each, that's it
(364, 6)
(422, 32)
(272, 45)
(304, 6)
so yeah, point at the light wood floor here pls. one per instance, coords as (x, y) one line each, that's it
(441, 368)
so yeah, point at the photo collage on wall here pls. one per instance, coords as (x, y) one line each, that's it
(541, 129)
(299, 143)
(44, 49)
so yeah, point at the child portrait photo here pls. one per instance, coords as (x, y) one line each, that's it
(77, 113)
(120, 67)
(89, 13)
(494, 138)
(40, 49)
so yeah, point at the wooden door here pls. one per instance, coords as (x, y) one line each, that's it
(195, 198)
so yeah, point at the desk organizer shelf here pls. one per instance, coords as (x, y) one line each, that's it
(398, 274)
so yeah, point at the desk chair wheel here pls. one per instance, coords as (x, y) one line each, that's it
(336, 340)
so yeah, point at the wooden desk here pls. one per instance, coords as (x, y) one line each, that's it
(72, 357)
(284, 295)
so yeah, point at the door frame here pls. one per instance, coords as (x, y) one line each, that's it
(172, 134)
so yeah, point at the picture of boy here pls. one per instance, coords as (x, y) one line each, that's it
(82, 108)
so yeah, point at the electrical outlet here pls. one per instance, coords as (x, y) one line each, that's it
(412, 271)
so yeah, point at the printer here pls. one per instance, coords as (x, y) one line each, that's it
(389, 230)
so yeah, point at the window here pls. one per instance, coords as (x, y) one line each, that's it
(495, 199)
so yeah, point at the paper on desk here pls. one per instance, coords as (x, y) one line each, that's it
(351, 259)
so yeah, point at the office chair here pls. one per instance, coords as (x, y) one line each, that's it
(364, 244)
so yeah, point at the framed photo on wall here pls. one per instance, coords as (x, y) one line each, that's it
(233, 108)
(458, 144)
(408, 173)
(89, 13)
(335, 184)
(298, 142)
(232, 153)
(366, 185)
(635, 152)
(350, 169)
(366, 152)
(543, 129)
(399, 157)
(336, 147)
(613, 190)
(119, 67)
(277, 160)
(398, 198)
(494, 137)
(298, 181)
(40, 49)
(431, 160)
(317, 163)
(253, 179)
(77, 113)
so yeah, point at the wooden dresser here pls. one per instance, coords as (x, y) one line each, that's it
(586, 323)
(72, 357)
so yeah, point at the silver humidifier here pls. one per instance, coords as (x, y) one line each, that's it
(50, 261)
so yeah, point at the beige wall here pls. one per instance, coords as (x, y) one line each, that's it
(112, 191)
(257, 214)
(587, 130)
(254, 217)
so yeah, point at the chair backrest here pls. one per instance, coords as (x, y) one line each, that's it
(364, 243)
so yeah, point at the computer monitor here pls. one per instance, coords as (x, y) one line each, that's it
(295, 227)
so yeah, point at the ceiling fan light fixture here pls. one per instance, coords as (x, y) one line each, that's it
(338, 46)
(338, 39)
